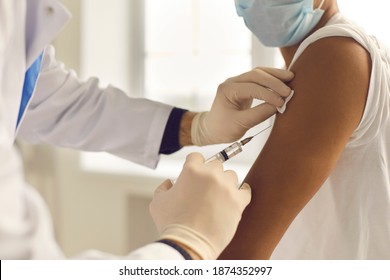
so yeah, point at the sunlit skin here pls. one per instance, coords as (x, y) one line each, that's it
(306, 141)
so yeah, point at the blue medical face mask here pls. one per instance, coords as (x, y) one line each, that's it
(279, 23)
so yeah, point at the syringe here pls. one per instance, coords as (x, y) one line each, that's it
(233, 150)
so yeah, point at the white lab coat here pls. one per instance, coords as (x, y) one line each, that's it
(66, 112)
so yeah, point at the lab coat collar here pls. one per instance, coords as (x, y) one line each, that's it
(44, 21)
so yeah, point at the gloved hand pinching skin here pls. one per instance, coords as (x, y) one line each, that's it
(232, 114)
(202, 209)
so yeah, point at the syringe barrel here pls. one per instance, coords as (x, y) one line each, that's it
(227, 153)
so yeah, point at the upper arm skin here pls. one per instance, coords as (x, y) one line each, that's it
(331, 86)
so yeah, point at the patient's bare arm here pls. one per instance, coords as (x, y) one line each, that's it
(331, 85)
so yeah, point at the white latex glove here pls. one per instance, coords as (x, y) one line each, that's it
(202, 209)
(232, 114)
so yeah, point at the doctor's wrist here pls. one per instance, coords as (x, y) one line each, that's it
(184, 250)
(185, 129)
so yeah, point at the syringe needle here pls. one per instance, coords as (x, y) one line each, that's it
(248, 139)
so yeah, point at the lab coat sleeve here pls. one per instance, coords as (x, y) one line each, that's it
(68, 112)
(26, 231)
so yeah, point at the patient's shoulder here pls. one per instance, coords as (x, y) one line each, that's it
(333, 74)
(336, 53)
(335, 57)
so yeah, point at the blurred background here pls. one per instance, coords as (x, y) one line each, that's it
(173, 51)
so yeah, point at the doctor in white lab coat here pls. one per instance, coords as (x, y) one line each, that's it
(43, 102)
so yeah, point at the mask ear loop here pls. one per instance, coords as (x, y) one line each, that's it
(321, 4)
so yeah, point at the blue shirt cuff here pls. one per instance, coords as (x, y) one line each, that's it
(170, 140)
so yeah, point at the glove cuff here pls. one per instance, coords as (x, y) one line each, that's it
(192, 239)
(200, 136)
